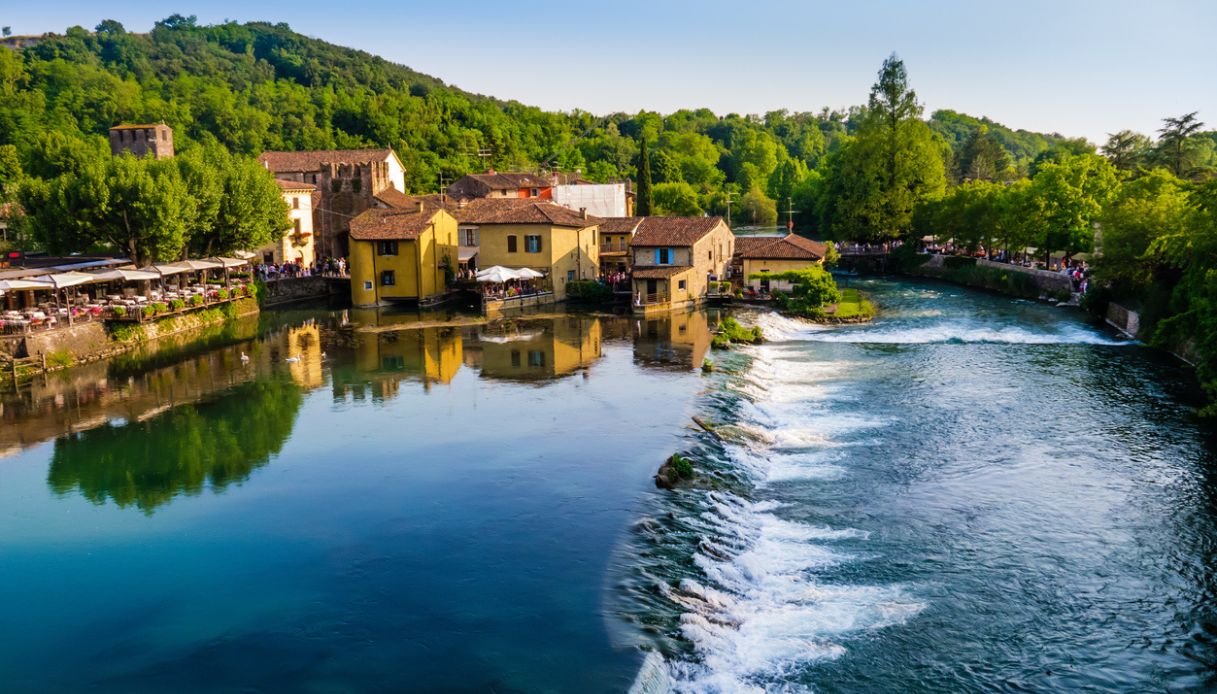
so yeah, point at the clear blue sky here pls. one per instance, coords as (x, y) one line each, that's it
(1072, 66)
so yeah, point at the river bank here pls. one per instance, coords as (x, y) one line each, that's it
(63, 348)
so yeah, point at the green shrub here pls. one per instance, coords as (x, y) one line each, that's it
(811, 289)
(730, 331)
(588, 290)
(60, 358)
(222, 294)
(160, 306)
(196, 300)
(177, 304)
(682, 466)
(119, 311)
(149, 311)
(707, 366)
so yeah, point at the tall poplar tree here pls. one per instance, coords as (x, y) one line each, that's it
(642, 196)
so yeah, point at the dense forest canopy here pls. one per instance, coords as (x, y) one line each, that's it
(259, 86)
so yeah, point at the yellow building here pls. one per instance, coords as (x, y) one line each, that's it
(431, 355)
(402, 255)
(678, 340)
(760, 256)
(297, 243)
(615, 236)
(539, 350)
(556, 241)
(675, 260)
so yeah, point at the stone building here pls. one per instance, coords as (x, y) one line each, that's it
(155, 140)
(347, 182)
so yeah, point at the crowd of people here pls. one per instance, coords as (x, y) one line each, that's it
(325, 267)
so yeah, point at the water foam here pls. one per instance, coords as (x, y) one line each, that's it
(756, 614)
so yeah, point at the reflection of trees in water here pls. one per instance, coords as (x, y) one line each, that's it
(148, 463)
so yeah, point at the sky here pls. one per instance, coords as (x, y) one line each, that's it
(1080, 68)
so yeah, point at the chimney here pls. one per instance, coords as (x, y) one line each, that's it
(421, 207)
(583, 212)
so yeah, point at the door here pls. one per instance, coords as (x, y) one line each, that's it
(652, 287)
(765, 284)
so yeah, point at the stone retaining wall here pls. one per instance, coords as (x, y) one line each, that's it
(287, 291)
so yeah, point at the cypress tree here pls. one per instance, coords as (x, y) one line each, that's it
(642, 199)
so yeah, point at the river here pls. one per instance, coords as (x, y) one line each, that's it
(970, 494)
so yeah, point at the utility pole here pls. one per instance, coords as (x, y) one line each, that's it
(729, 201)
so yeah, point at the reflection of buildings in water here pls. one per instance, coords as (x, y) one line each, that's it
(304, 347)
(123, 390)
(678, 340)
(537, 350)
(383, 360)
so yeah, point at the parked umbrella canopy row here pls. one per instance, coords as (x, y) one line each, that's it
(59, 299)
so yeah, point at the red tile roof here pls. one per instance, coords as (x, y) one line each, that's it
(396, 199)
(789, 247)
(509, 181)
(674, 231)
(522, 211)
(655, 273)
(312, 160)
(391, 225)
(286, 184)
(620, 225)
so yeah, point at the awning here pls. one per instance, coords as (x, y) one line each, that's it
(166, 270)
(228, 262)
(464, 255)
(19, 285)
(197, 265)
(127, 275)
(70, 279)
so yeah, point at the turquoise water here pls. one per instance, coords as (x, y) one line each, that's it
(970, 494)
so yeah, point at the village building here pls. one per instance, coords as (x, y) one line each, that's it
(599, 199)
(560, 243)
(147, 140)
(615, 236)
(402, 255)
(539, 351)
(675, 260)
(758, 257)
(297, 243)
(347, 182)
(493, 184)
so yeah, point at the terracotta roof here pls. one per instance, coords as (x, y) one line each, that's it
(396, 199)
(390, 225)
(619, 225)
(673, 231)
(285, 184)
(522, 211)
(138, 126)
(789, 247)
(655, 273)
(312, 160)
(505, 181)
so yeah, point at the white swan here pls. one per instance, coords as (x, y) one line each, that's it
(244, 358)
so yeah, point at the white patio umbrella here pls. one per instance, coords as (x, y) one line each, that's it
(19, 285)
(497, 274)
(527, 273)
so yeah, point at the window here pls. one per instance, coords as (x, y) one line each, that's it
(356, 184)
(533, 192)
(367, 285)
(388, 278)
(387, 248)
(295, 202)
(663, 256)
(532, 243)
(515, 358)
(680, 284)
(296, 225)
(570, 275)
(536, 357)
(164, 136)
(511, 243)
(469, 237)
(336, 186)
(710, 255)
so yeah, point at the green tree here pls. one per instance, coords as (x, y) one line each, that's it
(758, 209)
(894, 162)
(678, 199)
(665, 168)
(1177, 144)
(643, 204)
(137, 207)
(236, 205)
(982, 158)
(1141, 211)
(1128, 150)
(1068, 199)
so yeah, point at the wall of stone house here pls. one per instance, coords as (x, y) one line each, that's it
(343, 191)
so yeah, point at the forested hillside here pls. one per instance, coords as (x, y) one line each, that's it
(258, 86)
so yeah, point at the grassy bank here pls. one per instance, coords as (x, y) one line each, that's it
(853, 307)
